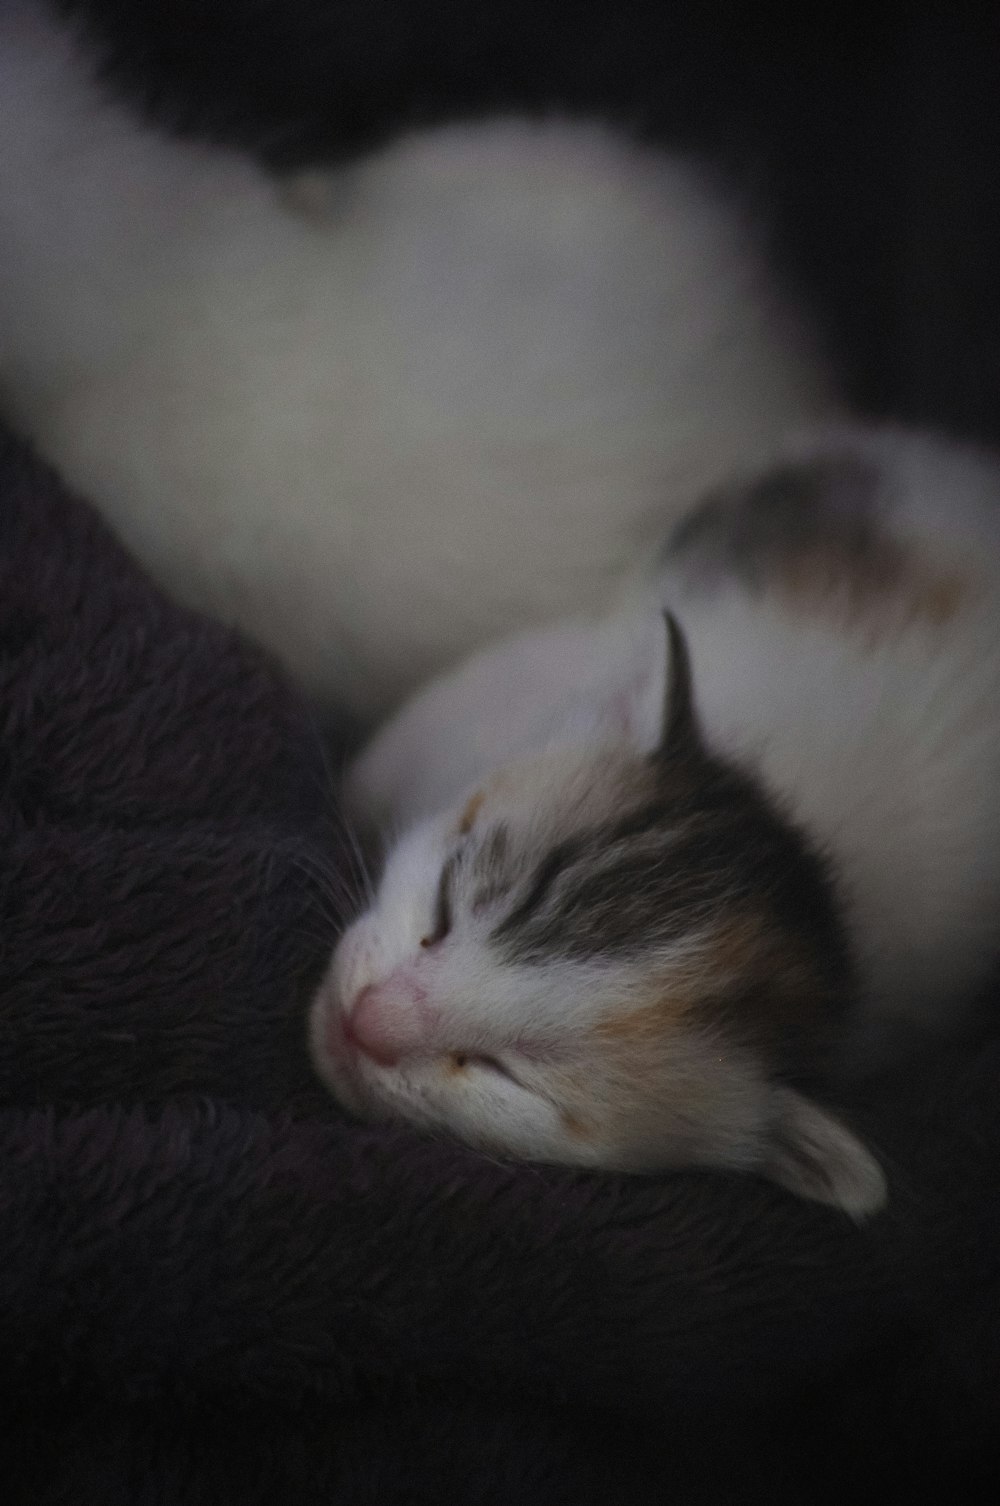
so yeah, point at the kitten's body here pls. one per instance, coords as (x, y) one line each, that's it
(842, 612)
(380, 427)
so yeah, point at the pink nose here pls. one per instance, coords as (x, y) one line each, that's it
(388, 1021)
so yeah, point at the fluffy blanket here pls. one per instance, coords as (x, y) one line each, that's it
(214, 1289)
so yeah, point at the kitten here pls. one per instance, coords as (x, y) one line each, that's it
(651, 884)
(374, 416)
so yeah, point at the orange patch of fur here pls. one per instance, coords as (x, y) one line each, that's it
(734, 949)
(889, 587)
(739, 943)
(745, 950)
(573, 1125)
(647, 1023)
(753, 948)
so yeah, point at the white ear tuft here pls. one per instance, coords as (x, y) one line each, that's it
(814, 1156)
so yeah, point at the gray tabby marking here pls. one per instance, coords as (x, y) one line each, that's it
(756, 531)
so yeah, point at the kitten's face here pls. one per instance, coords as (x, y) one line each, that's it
(601, 958)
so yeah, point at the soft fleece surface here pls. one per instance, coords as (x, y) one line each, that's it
(213, 1289)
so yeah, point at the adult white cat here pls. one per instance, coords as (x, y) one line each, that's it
(454, 399)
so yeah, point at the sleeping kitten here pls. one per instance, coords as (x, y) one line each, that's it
(374, 416)
(652, 882)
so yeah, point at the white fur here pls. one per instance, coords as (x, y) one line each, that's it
(885, 747)
(455, 393)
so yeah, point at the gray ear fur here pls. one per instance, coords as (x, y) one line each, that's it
(813, 1155)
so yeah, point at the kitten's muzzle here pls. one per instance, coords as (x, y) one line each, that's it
(387, 1021)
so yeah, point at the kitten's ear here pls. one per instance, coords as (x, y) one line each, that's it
(814, 1156)
(680, 734)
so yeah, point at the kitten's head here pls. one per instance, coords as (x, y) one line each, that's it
(609, 957)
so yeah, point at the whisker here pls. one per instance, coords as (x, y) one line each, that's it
(331, 781)
(336, 895)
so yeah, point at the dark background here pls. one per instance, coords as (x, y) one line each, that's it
(872, 136)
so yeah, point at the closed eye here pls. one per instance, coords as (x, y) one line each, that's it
(442, 907)
(464, 1059)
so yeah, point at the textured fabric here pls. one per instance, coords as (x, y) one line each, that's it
(163, 810)
(215, 1289)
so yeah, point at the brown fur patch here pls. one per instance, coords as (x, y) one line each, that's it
(573, 1125)
(739, 943)
(768, 992)
(468, 817)
(809, 533)
(752, 982)
(646, 1023)
(733, 952)
(886, 587)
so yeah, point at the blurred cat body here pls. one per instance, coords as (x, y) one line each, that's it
(649, 933)
(375, 415)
